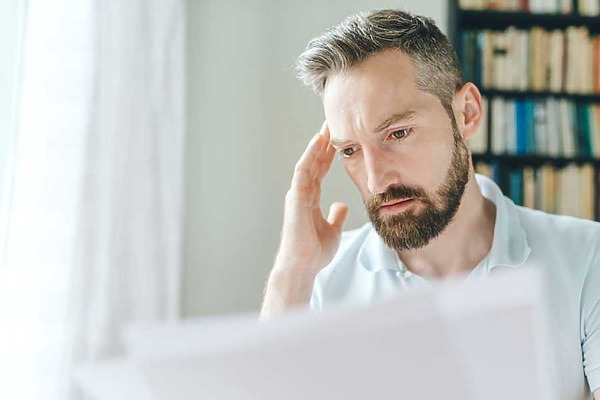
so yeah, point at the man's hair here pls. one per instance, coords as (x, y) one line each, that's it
(361, 35)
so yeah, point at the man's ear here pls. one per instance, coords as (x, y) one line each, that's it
(466, 104)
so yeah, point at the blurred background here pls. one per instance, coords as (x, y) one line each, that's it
(146, 148)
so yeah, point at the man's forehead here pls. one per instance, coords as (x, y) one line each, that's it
(347, 94)
(370, 110)
(367, 106)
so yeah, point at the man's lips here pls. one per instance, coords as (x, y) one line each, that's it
(396, 206)
(394, 202)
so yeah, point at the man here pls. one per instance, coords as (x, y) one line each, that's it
(399, 115)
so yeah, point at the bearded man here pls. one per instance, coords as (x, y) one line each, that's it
(399, 115)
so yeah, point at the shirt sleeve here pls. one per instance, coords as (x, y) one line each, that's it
(591, 323)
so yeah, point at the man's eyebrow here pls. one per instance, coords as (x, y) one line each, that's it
(395, 118)
(338, 143)
(385, 124)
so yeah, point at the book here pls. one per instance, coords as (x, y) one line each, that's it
(587, 193)
(499, 126)
(596, 132)
(555, 61)
(549, 188)
(568, 196)
(553, 143)
(529, 195)
(515, 178)
(567, 132)
(540, 125)
(484, 169)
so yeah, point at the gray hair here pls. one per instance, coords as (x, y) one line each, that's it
(364, 34)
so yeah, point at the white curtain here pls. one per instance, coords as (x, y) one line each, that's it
(91, 229)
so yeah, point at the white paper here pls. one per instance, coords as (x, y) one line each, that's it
(481, 339)
(118, 379)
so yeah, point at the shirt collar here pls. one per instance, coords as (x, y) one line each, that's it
(509, 246)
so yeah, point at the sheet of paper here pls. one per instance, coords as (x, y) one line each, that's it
(353, 359)
(498, 327)
(228, 332)
(458, 340)
(118, 379)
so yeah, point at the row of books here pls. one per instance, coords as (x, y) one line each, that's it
(565, 191)
(565, 61)
(583, 7)
(549, 126)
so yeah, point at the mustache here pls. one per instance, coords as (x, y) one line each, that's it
(395, 193)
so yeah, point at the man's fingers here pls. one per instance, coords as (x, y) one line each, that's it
(304, 173)
(325, 130)
(322, 153)
(326, 156)
(326, 161)
(338, 212)
(315, 161)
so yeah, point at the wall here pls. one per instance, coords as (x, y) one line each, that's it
(248, 122)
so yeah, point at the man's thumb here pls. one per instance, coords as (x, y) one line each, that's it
(337, 215)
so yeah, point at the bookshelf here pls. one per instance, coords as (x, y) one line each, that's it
(553, 168)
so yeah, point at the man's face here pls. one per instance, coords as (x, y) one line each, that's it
(400, 148)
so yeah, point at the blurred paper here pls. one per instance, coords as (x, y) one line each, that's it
(480, 339)
(118, 379)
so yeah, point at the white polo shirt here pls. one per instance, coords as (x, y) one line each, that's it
(567, 249)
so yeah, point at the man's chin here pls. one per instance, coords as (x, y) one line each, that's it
(406, 231)
(404, 243)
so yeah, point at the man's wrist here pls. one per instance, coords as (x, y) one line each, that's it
(288, 288)
(297, 283)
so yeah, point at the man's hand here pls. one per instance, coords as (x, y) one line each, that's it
(308, 240)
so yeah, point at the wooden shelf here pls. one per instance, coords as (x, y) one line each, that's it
(580, 98)
(495, 20)
(533, 160)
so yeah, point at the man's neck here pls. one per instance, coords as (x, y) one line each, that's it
(464, 242)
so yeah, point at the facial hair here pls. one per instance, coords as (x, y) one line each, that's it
(412, 230)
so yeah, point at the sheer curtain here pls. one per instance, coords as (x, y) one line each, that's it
(91, 231)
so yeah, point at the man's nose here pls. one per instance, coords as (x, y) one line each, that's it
(379, 173)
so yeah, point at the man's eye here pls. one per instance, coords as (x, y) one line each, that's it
(347, 152)
(400, 133)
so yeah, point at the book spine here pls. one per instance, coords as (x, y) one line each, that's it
(522, 127)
